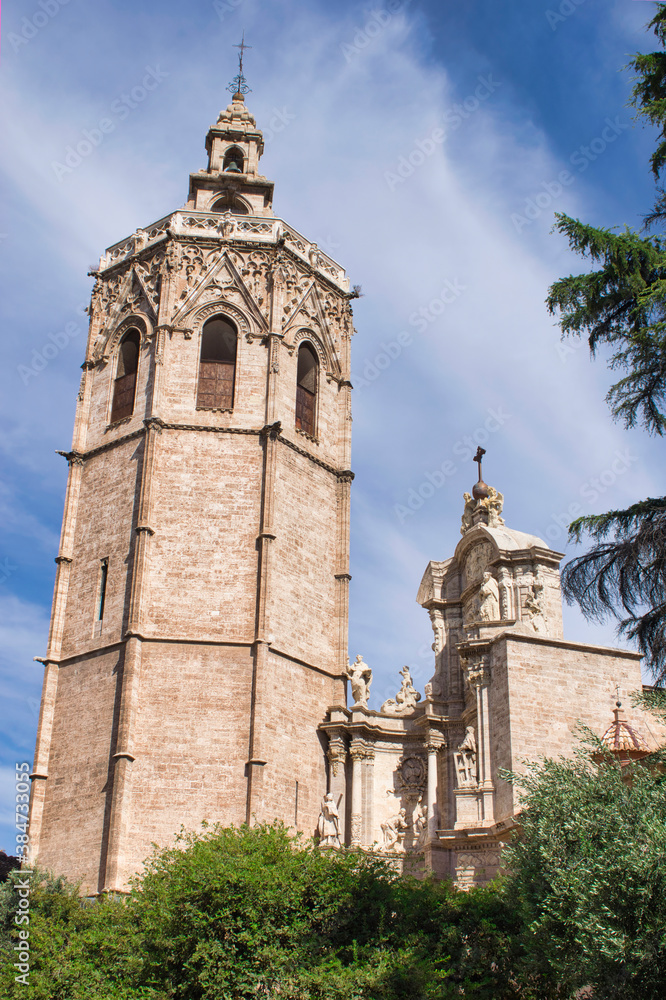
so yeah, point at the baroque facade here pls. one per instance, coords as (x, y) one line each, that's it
(423, 780)
(197, 659)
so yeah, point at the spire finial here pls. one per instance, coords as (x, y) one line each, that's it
(238, 85)
(481, 490)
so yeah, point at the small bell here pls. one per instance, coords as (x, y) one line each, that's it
(233, 168)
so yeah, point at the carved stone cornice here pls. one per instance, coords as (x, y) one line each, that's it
(154, 423)
(435, 741)
(62, 559)
(272, 431)
(336, 754)
(73, 457)
(346, 476)
(361, 750)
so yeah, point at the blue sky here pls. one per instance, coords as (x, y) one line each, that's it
(449, 235)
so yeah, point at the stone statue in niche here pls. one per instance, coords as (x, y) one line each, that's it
(394, 829)
(406, 698)
(420, 825)
(534, 605)
(360, 675)
(488, 599)
(328, 824)
(465, 757)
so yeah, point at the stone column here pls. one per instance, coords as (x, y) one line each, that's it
(478, 678)
(357, 754)
(505, 592)
(434, 743)
(39, 775)
(114, 874)
(257, 758)
(342, 576)
(337, 779)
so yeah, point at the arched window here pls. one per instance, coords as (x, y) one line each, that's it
(217, 367)
(306, 389)
(124, 388)
(233, 161)
(228, 204)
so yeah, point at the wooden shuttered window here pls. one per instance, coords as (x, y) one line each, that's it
(124, 387)
(217, 366)
(306, 389)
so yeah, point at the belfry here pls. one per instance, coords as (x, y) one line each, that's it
(199, 621)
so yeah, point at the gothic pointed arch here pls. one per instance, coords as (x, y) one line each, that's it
(108, 342)
(217, 364)
(124, 383)
(307, 387)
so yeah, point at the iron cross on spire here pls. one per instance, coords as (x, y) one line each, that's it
(238, 85)
(480, 452)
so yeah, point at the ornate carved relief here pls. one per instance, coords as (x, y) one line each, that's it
(412, 774)
(476, 562)
(534, 605)
(476, 668)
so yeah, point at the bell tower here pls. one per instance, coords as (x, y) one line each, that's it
(199, 624)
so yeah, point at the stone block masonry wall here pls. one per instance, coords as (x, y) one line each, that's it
(191, 744)
(547, 689)
(77, 791)
(206, 513)
(105, 530)
(296, 752)
(302, 611)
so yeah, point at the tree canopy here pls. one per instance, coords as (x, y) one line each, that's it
(622, 306)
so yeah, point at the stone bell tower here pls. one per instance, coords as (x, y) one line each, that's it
(199, 621)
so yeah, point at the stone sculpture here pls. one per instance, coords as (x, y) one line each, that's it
(394, 830)
(360, 675)
(328, 824)
(470, 507)
(420, 825)
(488, 599)
(406, 698)
(534, 605)
(466, 759)
(494, 503)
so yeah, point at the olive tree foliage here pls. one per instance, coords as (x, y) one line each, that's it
(588, 873)
(621, 307)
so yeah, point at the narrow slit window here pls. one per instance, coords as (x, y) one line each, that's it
(306, 389)
(217, 366)
(124, 387)
(101, 598)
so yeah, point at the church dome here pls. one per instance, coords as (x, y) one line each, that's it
(622, 740)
